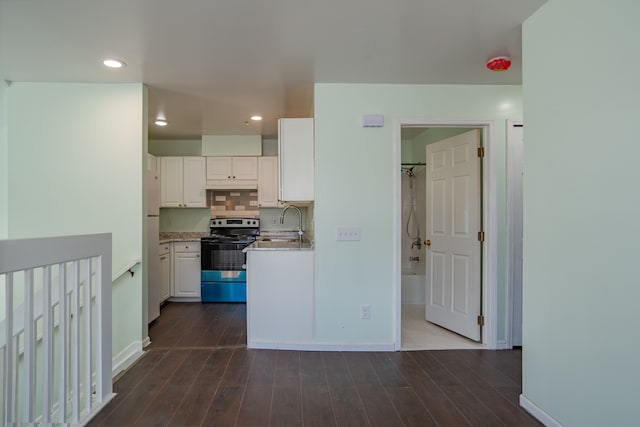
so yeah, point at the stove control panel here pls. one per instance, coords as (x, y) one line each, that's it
(234, 223)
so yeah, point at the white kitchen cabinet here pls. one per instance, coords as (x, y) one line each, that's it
(279, 298)
(268, 182)
(164, 252)
(232, 172)
(186, 270)
(182, 182)
(296, 160)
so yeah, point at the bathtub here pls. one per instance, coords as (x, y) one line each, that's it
(412, 287)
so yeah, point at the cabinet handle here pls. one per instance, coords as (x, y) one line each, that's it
(197, 256)
(163, 258)
(234, 177)
(229, 177)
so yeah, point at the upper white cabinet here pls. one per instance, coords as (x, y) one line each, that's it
(182, 182)
(232, 172)
(296, 162)
(268, 182)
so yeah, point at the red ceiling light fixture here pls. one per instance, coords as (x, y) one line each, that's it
(499, 63)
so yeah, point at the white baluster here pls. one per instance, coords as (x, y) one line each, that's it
(29, 348)
(47, 345)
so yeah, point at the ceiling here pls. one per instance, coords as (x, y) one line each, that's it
(210, 64)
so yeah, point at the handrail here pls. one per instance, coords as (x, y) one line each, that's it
(127, 268)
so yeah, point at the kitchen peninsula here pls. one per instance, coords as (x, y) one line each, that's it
(280, 294)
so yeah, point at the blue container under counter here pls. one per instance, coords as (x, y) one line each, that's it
(223, 286)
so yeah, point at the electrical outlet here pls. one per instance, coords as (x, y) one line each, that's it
(348, 233)
(365, 311)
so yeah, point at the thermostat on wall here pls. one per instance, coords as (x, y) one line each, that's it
(372, 121)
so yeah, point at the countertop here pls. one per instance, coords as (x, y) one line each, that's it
(281, 241)
(267, 241)
(268, 245)
(181, 236)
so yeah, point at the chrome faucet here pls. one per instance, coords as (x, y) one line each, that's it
(300, 232)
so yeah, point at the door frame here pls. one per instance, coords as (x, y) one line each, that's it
(489, 276)
(514, 220)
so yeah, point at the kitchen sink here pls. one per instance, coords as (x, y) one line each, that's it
(280, 239)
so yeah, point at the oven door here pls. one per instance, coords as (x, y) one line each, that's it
(222, 256)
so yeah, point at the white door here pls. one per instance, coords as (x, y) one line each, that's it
(453, 222)
(268, 182)
(187, 274)
(171, 182)
(218, 168)
(195, 193)
(245, 168)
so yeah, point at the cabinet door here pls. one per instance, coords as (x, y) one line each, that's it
(295, 154)
(171, 182)
(244, 168)
(195, 194)
(219, 168)
(165, 276)
(187, 274)
(268, 182)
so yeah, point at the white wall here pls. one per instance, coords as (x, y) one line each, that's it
(354, 174)
(581, 209)
(76, 167)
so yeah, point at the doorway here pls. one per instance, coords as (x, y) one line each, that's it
(412, 260)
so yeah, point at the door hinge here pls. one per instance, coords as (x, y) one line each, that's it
(481, 236)
(481, 320)
(480, 151)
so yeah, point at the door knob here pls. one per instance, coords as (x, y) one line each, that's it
(427, 242)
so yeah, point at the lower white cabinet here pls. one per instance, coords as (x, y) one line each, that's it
(279, 298)
(165, 271)
(186, 269)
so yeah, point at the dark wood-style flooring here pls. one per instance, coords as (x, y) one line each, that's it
(198, 372)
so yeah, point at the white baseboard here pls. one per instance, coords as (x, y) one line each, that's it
(146, 342)
(319, 346)
(184, 299)
(126, 357)
(503, 345)
(538, 413)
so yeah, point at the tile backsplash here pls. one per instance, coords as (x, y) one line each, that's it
(227, 202)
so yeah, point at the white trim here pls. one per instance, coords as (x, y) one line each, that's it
(127, 357)
(489, 215)
(503, 345)
(538, 413)
(95, 409)
(510, 233)
(146, 342)
(319, 346)
(184, 299)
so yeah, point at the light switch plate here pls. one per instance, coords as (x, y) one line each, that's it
(348, 233)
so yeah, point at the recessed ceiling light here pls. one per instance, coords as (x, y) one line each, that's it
(114, 63)
(161, 122)
(256, 118)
